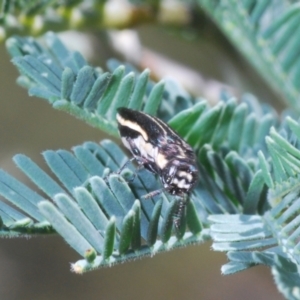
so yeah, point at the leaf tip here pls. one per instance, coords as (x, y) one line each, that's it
(76, 268)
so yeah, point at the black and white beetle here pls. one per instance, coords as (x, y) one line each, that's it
(155, 146)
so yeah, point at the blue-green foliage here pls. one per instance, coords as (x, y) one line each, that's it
(66, 81)
(247, 198)
(267, 34)
(95, 216)
(273, 238)
(248, 178)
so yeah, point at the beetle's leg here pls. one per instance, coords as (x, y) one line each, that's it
(153, 194)
(140, 167)
(124, 166)
(120, 170)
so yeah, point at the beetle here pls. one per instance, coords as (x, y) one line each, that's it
(156, 147)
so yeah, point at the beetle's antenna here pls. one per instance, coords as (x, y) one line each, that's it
(120, 170)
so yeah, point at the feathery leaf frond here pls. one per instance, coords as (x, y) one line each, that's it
(68, 83)
(105, 216)
(100, 218)
(273, 238)
(266, 33)
(248, 163)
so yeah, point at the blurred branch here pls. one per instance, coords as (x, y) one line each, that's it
(34, 19)
(128, 44)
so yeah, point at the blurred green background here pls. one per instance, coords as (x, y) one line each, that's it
(39, 268)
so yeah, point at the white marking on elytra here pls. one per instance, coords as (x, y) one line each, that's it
(182, 185)
(133, 126)
(149, 152)
(188, 176)
(161, 160)
(149, 149)
(146, 149)
(175, 181)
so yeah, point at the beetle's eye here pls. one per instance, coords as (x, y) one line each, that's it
(136, 151)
